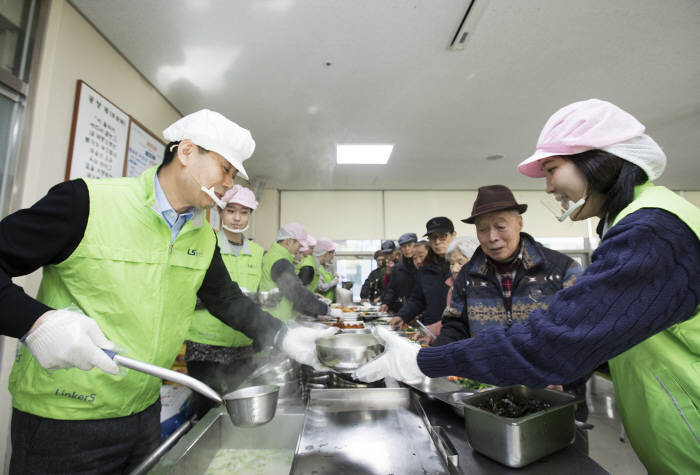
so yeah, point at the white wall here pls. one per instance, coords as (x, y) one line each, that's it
(266, 221)
(388, 214)
(692, 196)
(71, 50)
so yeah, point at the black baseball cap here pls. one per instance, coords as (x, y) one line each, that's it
(440, 224)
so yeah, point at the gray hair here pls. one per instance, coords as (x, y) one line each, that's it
(467, 245)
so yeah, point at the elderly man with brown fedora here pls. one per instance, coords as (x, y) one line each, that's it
(509, 275)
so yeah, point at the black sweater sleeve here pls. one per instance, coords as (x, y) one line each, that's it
(282, 272)
(46, 233)
(455, 328)
(225, 300)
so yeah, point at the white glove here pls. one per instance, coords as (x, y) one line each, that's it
(64, 339)
(300, 344)
(336, 312)
(398, 361)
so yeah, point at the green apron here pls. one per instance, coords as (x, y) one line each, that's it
(285, 309)
(310, 261)
(657, 382)
(139, 287)
(244, 269)
(327, 277)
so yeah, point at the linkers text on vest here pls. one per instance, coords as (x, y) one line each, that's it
(74, 395)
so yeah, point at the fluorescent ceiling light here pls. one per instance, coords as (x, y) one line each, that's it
(363, 154)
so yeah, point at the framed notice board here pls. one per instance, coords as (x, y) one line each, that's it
(99, 136)
(144, 151)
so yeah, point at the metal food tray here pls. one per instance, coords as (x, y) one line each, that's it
(435, 386)
(196, 449)
(367, 431)
(518, 442)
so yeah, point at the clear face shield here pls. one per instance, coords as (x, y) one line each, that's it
(562, 208)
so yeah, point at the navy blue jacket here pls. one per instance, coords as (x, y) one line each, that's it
(403, 276)
(429, 294)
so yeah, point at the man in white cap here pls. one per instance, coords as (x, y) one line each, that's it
(127, 257)
(278, 273)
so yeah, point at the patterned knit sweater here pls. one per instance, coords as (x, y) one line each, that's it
(478, 300)
(645, 277)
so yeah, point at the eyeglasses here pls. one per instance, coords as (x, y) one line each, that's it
(438, 236)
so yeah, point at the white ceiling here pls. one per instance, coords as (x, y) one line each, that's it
(303, 75)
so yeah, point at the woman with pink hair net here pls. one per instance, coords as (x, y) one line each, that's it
(635, 306)
(217, 354)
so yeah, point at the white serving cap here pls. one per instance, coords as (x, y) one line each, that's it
(214, 132)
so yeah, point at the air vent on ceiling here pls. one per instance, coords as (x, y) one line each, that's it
(475, 10)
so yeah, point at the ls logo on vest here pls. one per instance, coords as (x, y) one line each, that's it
(193, 252)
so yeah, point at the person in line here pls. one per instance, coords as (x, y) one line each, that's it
(430, 291)
(402, 276)
(123, 260)
(278, 275)
(391, 261)
(420, 252)
(372, 289)
(324, 253)
(636, 306)
(509, 275)
(216, 354)
(459, 252)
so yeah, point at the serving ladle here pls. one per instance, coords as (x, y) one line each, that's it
(247, 407)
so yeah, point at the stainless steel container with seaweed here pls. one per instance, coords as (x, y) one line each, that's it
(518, 442)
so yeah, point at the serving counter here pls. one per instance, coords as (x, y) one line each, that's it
(355, 431)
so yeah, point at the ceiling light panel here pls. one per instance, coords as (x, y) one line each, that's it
(365, 154)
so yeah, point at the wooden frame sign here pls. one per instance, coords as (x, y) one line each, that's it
(99, 137)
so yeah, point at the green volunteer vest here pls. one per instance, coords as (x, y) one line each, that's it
(657, 382)
(310, 261)
(141, 290)
(244, 269)
(327, 277)
(285, 309)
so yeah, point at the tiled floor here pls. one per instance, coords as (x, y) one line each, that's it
(605, 446)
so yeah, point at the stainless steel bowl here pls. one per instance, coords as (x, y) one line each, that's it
(345, 352)
(364, 330)
(252, 406)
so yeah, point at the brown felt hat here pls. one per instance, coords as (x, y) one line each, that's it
(494, 198)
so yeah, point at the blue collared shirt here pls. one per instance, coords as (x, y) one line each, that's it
(174, 221)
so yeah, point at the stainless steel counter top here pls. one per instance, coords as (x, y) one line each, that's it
(363, 434)
(364, 431)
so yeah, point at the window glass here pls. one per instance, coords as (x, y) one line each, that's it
(10, 120)
(354, 269)
(17, 18)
